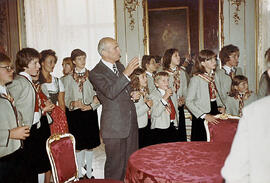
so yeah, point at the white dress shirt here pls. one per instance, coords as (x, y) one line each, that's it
(228, 69)
(149, 73)
(3, 90)
(164, 102)
(110, 66)
(54, 86)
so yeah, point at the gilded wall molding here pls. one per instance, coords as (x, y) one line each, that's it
(221, 26)
(131, 6)
(237, 4)
(145, 27)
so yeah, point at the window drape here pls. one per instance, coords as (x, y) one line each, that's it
(64, 25)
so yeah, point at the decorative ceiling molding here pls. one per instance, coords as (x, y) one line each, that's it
(131, 6)
(237, 4)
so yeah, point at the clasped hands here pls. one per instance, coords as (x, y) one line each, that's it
(80, 105)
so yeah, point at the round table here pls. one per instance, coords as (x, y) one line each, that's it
(178, 162)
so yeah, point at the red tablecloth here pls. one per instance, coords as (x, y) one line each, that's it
(99, 181)
(179, 162)
(224, 131)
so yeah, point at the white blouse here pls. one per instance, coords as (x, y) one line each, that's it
(55, 85)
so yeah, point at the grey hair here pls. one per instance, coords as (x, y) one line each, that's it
(102, 44)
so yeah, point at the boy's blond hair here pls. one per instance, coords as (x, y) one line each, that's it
(159, 75)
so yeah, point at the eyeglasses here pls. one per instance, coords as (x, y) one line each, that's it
(8, 68)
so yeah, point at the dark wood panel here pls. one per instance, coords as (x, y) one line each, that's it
(211, 23)
(4, 41)
(9, 31)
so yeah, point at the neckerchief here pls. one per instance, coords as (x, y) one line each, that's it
(211, 84)
(242, 98)
(80, 78)
(176, 78)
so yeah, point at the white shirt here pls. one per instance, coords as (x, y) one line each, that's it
(248, 161)
(164, 102)
(110, 66)
(37, 115)
(54, 85)
(149, 73)
(79, 72)
(228, 69)
(182, 67)
(3, 90)
(173, 69)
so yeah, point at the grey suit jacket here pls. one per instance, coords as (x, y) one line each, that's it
(72, 92)
(150, 82)
(160, 118)
(232, 105)
(7, 122)
(182, 91)
(118, 111)
(198, 98)
(141, 110)
(223, 82)
(24, 96)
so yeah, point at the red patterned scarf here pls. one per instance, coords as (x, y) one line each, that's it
(241, 99)
(211, 84)
(176, 78)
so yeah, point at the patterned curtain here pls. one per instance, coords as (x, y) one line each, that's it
(64, 25)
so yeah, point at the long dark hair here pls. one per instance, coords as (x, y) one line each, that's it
(44, 54)
(167, 58)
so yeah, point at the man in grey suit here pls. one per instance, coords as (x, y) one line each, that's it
(119, 127)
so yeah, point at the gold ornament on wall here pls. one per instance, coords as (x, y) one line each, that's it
(237, 4)
(131, 6)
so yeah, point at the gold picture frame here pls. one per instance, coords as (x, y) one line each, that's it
(146, 41)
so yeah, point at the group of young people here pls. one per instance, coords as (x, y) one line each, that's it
(34, 104)
(166, 89)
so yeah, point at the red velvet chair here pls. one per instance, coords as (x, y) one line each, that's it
(61, 152)
(224, 131)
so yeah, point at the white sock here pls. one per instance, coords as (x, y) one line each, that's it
(80, 162)
(41, 177)
(89, 158)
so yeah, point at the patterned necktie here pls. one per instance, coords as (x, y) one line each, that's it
(171, 109)
(115, 70)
